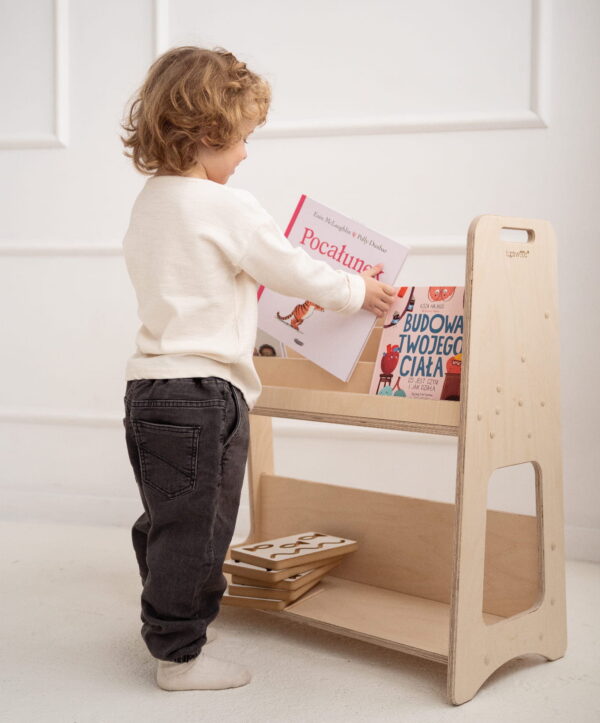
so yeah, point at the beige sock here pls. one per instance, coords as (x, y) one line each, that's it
(201, 673)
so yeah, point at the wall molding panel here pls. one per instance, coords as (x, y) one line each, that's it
(58, 138)
(292, 428)
(419, 245)
(535, 116)
(160, 27)
(52, 248)
(581, 543)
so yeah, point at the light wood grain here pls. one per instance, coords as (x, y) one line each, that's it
(456, 583)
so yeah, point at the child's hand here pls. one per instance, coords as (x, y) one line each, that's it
(378, 296)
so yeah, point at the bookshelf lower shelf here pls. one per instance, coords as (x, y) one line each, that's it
(395, 589)
(410, 624)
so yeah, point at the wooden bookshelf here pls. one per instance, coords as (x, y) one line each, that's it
(417, 583)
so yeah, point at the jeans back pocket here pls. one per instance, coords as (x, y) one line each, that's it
(168, 455)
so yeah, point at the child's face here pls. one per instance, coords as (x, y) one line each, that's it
(219, 165)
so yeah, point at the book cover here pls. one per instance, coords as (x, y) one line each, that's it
(330, 340)
(420, 349)
(267, 345)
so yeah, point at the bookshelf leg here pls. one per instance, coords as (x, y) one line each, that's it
(477, 648)
(510, 414)
(552, 632)
(468, 665)
(260, 461)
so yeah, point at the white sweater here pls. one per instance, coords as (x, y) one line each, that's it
(196, 252)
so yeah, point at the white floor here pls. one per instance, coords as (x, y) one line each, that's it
(72, 652)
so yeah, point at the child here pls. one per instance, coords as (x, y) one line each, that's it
(196, 251)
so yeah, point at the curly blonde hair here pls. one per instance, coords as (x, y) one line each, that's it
(188, 93)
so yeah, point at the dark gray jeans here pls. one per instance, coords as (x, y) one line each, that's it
(187, 441)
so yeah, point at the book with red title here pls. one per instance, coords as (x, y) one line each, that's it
(332, 341)
(420, 348)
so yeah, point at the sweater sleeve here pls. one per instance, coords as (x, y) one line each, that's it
(270, 259)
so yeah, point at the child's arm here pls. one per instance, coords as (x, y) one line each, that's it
(270, 259)
(289, 270)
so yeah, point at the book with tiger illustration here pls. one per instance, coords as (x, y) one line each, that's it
(420, 349)
(332, 341)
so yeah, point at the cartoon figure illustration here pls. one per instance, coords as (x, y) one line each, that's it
(441, 293)
(451, 388)
(388, 391)
(396, 316)
(300, 312)
(389, 361)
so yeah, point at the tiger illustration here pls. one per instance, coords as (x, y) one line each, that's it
(300, 312)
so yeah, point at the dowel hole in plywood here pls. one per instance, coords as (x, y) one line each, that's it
(512, 568)
(517, 235)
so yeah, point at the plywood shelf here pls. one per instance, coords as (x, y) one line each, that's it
(298, 389)
(396, 586)
(458, 583)
(407, 623)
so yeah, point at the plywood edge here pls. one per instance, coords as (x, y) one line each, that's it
(382, 642)
(379, 616)
(369, 410)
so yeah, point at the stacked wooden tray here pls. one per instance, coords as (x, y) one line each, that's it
(271, 574)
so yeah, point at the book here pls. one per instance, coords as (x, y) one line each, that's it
(331, 340)
(420, 348)
(267, 345)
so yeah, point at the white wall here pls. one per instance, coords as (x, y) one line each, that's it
(411, 117)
